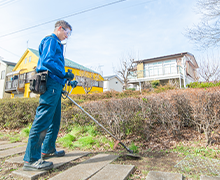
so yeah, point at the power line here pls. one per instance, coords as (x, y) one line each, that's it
(10, 52)
(6, 2)
(74, 14)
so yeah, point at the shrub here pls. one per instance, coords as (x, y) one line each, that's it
(169, 111)
(203, 84)
(132, 89)
(17, 112)
(155, 83)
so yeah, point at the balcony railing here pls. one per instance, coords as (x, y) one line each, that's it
(159, 72)
(15, 85)
(15, 82)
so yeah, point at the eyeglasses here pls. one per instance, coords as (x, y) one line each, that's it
(68, 32)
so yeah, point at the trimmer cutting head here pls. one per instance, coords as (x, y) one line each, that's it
(135, 156)
(130, 154)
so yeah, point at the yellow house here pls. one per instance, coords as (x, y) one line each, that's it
(18, 81)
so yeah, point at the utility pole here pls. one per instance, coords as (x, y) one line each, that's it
(100, 70)
(184, 71)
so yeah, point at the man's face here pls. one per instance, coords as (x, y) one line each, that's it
(64, 33)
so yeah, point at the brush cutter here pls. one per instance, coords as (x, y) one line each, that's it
(65, 94)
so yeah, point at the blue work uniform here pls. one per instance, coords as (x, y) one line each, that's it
(46, 124)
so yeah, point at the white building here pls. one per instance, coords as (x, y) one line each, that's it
(181, 67)
(112, 83)
(5, 68)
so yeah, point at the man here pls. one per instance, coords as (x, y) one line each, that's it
(46, 124)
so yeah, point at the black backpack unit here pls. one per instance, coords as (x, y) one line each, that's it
(38, 82)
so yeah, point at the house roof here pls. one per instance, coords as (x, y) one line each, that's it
(75, 65)
(36, 52)
(9, 63)
(107, 78)
(169, 57)
(68, 63)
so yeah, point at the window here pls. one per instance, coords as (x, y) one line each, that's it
(170, 67)
(153, 69)
(30, 59)
(160, 68)
(96, 83)
(25, 60)
(100, 83)
(3, 74)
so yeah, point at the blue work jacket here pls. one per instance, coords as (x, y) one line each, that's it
(51, 58)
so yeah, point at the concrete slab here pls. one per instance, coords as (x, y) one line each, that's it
(209, 178)
(113, 171)
(16, 160)
(9, 152)
(4, 142)
(11, 145)
(56, 161)
(157, 175)
(87, 168)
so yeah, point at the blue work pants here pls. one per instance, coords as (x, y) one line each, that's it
(46, 124)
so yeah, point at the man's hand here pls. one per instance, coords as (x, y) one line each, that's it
(69, 75)
(73, 84)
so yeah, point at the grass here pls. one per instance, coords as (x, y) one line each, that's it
(134, 148)
(85, 142)
(196, 152)
(25, 132)
(85, 137)
(67, 140)
(202, 151)
(12, 137)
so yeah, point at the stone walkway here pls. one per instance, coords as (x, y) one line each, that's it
(98, 167)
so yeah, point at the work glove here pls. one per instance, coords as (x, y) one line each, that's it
(73, 84)
(69, 75)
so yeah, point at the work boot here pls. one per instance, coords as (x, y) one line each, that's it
(54, 154)
(38, 165)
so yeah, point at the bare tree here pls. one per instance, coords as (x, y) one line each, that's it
(125, 66)
(87, 80)
(209, 68)
(207, 33)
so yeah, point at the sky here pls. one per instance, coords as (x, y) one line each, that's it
(101, 37)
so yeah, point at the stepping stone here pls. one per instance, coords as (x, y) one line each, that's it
(209, 178)
(6, 146)
(16, 160)
(57, 161)
(157, 175)
(9, 152)
(87, 168)
(113, 171)
(4, 142)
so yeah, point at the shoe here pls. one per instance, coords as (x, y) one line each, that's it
(38, 165)
(54, 154)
